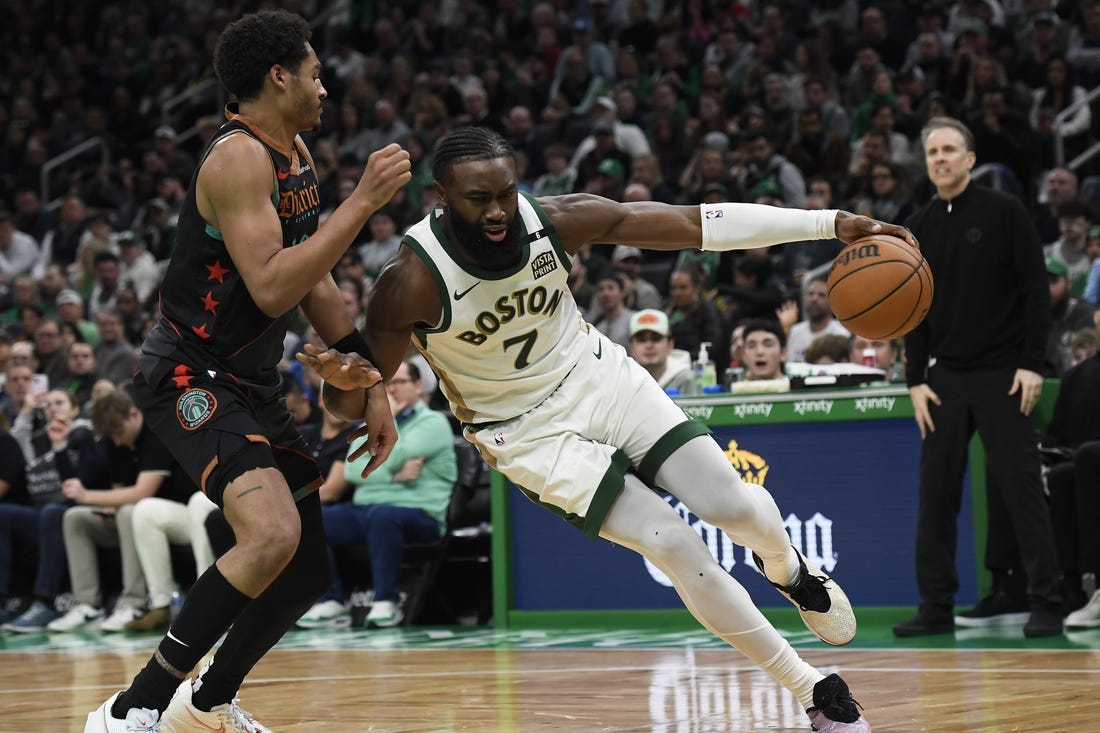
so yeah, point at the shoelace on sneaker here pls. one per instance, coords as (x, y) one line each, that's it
(809, 591)
(148, 722)
(835, 701)
(238, 717)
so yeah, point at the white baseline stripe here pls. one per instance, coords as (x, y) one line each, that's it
(687, 669)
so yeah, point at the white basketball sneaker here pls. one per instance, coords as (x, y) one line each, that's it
(1086, 617)
(183, 717)
(384, 614)
(824, 607)
(138, 720)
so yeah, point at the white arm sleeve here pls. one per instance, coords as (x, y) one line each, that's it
(748, 226)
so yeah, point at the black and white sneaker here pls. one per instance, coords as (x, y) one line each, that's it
(835, 710)
(824, 607)
(998, 610)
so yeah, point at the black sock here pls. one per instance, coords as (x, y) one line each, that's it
(211, 607)
(264, 621)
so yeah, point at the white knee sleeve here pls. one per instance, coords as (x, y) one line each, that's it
(700, 475)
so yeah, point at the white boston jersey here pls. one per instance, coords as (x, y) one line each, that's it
(506, 339)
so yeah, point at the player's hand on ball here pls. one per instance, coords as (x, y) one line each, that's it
(342, 371)
(850, 227)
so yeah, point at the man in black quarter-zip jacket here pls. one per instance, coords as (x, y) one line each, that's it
(975, 362)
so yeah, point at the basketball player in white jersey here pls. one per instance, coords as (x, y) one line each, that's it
(565, 414)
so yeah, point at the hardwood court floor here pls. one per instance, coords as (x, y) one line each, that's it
(464, 679)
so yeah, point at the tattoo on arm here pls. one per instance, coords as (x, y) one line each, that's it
(249, 491)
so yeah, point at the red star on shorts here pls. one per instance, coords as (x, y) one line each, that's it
(217, 272)
(200, 331)
(208, 302)
(181, 376)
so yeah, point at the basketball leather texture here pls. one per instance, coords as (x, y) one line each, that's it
(879, 287)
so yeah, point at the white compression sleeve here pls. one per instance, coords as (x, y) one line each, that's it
(747, 226)
(644, 522)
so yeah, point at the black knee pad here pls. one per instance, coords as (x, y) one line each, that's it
(238, 455)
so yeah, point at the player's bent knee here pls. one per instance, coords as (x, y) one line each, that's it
(277, 540)
(268, 555)
(261, 510)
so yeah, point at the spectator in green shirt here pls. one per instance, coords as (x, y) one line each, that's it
(403, 500)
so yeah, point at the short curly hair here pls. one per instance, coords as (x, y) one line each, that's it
(252, 44)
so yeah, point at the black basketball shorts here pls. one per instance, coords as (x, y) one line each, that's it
(219, 428)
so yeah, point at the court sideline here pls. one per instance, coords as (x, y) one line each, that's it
(438, 680)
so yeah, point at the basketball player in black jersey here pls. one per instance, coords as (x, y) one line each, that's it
(249, 251)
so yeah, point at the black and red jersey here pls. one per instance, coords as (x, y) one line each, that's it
(208, 317)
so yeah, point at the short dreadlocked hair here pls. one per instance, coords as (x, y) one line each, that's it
(467, 143)
(252, 44)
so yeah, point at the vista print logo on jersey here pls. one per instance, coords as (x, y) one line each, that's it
(194, 407)
(544, 264)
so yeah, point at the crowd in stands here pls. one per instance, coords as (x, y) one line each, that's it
(796, 103)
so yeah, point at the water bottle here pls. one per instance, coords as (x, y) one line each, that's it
(703, 369)
(175, 605)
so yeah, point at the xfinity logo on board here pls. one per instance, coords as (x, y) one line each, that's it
(863, 404)
(804, 407)
(702, 412)
(763, 409)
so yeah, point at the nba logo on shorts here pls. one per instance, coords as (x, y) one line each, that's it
(499, 438)
(194, 407)
(713, 213)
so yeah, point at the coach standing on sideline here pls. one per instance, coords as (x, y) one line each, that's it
(975, 362)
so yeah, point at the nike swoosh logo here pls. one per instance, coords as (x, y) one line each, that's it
(460, 296)
(197, 722)
(598, 353)
(281, 174)
(177, 640)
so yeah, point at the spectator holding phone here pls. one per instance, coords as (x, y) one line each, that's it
(140, 466)
(65, 449)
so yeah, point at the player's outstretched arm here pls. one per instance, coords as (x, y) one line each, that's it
(584, 218)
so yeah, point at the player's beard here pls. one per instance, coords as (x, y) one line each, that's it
(470, 237)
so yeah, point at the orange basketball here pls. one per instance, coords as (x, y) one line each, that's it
(880, 287)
